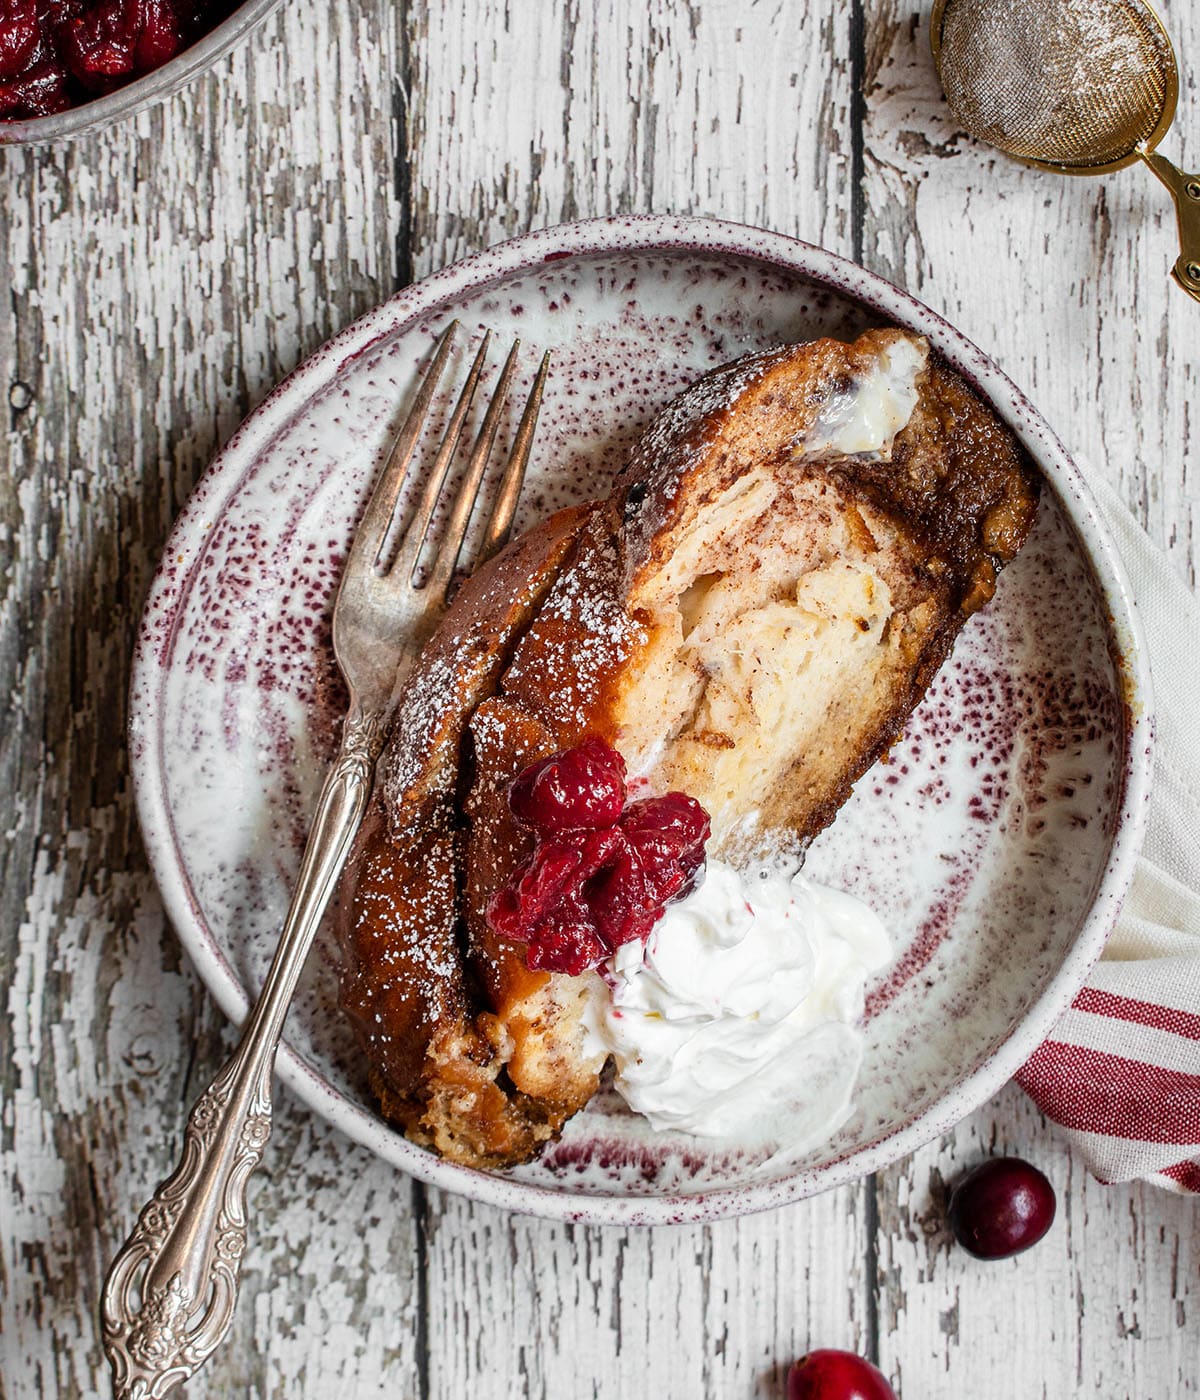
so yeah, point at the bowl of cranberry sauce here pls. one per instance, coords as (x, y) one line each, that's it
(72, 66)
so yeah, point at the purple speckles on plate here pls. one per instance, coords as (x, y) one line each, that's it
(996, 840)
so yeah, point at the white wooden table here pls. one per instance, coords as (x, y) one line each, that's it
(157, 281)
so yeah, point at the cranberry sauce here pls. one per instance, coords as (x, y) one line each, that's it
(581, 787)
(602, 871)
(56, 54)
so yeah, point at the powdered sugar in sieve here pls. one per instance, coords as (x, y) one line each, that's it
(1074, 82)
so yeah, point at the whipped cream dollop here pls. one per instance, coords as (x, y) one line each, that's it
(739, 1016)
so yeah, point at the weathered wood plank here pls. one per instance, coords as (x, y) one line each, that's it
(160, 279)
(1065, 282)
(624, 107)
(530, 1308)
(1099, 1307)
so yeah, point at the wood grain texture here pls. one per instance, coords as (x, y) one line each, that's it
(160, 278)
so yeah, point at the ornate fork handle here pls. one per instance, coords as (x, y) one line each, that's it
(170, 1293)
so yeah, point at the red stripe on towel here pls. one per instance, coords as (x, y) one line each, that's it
(1187, 1174)
(1141, 1013)
(1093, 1092)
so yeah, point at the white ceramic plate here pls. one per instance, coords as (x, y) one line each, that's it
(997, 841)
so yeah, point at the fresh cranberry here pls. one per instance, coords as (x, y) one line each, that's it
(1000, 1208)
(836, 1375)
(19, 35)
(578, 788)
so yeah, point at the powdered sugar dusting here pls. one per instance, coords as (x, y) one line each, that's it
(584, 633)
(418, 713)
(679, 436)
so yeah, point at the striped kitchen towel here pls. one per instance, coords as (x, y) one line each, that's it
(1121, 1072)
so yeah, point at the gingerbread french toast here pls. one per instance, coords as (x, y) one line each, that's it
(748, 618)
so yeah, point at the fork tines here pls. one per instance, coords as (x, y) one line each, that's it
(397, 552)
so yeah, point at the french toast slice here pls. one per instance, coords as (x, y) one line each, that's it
(749, 617)
(432, 1052)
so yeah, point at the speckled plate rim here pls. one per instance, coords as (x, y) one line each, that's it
(639, 234)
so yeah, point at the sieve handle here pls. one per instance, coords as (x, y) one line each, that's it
(1185, 191)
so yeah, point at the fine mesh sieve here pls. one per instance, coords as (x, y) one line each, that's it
(1078, 86)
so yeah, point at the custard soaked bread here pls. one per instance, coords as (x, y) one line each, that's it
(748, 618)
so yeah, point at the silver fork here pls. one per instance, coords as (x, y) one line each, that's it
(170, 1293)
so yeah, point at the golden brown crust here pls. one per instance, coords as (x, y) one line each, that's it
(462, 660)
(584, 626)
(406, 986)
(755, 409)
(958, 484)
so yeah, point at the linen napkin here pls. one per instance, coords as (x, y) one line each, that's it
(1121, 1072)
